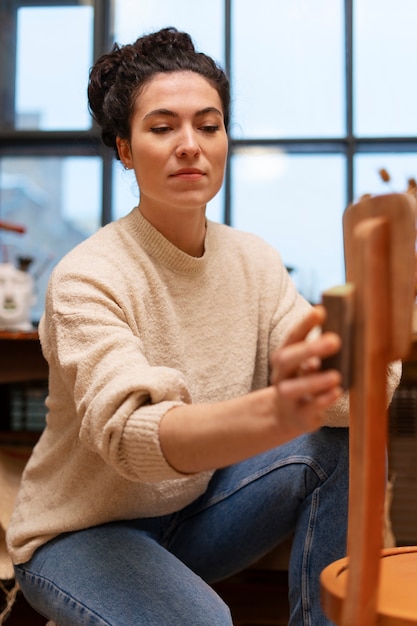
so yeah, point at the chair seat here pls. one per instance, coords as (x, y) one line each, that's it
(397, 594)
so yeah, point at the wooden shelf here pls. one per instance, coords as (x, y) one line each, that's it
(21, 357)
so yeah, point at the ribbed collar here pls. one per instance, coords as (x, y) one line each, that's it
(162, 250)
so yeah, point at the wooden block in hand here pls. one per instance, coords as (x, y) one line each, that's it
(339, 304)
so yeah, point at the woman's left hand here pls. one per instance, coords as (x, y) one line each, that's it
(303, 390)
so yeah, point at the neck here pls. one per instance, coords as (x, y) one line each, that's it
(185, 231)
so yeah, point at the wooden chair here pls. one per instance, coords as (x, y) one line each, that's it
(374, 586)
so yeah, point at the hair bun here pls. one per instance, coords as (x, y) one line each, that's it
(166, 38)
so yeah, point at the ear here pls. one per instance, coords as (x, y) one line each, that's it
(123, 148)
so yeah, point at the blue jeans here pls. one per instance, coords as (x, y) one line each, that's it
(157, 571)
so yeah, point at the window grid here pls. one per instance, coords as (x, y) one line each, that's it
(82, 143)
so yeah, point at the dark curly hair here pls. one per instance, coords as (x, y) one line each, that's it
(117, 78)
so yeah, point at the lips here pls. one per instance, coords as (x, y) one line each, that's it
(188, 173)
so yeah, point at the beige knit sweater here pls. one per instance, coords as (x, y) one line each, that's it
(132, 327)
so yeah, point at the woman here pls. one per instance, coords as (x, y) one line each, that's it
(187, 431)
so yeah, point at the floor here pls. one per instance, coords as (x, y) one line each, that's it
(256, 598)
(23, 615)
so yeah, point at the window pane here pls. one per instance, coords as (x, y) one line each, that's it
(288, 68)
(125, 191)
(52, 69)
(202, 20)
(296, 204)
(215, 208)
(126, 195)
(400, 167)
(385, 49)
(57, 200)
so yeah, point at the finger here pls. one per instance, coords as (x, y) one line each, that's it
(314, 406)
(326, 399)
(312, 364)
(290, 360)
(315, 317)
(308, 412)
(309, 387)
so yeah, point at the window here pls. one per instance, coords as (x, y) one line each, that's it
(288, 182)
(285, 199)
(289, 80)
(323, 101)
(384, 50)
(52, 73)
(322, 98)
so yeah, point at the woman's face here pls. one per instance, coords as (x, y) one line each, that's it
(178, 143)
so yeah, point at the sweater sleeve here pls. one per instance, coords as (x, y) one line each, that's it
(115, 397)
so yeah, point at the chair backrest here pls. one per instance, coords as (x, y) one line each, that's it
(379, 239)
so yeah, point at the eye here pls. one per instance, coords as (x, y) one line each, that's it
(159, 130)
(209, 128)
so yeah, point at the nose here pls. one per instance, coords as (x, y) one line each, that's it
(188, 144)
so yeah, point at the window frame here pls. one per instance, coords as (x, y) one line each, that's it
(15, 142)
(88, 143)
